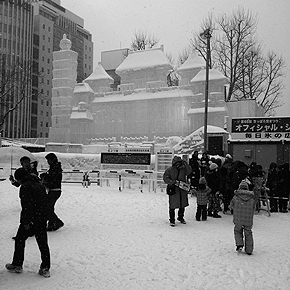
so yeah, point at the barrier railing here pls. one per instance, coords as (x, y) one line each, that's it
(125, 176)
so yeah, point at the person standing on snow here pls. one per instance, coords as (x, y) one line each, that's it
(52, 181)
(213, 182)
(243, 206)
(195, 174)
(202, 194)
(33, 219)
(172, 175)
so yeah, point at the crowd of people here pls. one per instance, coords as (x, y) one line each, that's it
(223, 178)
(229, 186)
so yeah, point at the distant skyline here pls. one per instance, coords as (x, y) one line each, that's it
(113, 23)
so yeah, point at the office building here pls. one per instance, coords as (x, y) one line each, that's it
(16, 22)
(51, 22)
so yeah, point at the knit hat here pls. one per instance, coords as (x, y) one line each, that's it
(202, 180)
(20, 173)
(244, 185)
(213, 166)
(229, 156)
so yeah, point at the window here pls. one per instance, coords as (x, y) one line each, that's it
(46, 135)
(41, 113)
(41, 124)
(48, 50)
(48, 39)
(43, 26)
(47, 82)
(46, 124)
(48, 71)
(47, 103)
(48, 60)
(49, 28)
(46, 114)
(43, 37)
(43, 48)
(40, 134)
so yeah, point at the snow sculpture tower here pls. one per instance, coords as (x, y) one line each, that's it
(99, 80)
(190, 68)
(217, 109)
(63, 83)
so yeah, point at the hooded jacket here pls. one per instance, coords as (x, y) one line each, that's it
(171, 174)
(243, 205)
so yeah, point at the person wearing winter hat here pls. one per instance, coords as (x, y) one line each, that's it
(202, 195)
(213, 182)
(243, 206)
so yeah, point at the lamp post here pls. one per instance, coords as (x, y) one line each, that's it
(206, 35)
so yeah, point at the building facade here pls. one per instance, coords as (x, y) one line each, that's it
(51, 21)
(16, 20)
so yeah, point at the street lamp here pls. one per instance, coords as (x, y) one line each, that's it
(206, 35)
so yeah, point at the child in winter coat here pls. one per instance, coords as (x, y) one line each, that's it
(202, 195)
(243, 205)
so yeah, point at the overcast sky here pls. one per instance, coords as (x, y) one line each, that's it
(113, 23)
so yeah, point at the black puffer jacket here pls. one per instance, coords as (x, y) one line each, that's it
(33, 199)
(53, 177)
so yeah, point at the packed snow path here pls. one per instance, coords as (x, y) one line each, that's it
(122, 240)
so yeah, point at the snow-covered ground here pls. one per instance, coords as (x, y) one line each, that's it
(122, 240)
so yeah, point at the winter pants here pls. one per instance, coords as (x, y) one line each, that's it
(239, 232)
(213, 204)
(41, 239)
(53, 196)
(201, 212)
(273, 201)
(172, 214)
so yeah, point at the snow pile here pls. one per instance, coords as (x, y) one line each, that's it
(122, 240)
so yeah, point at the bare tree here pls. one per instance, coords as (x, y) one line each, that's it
(15, 85)
(183, 56)
(142, 40)
(237, 53)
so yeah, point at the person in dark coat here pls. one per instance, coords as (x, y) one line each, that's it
(179, 171)
(213, 182)
(243, 206)
(272, 185)
(52, 181)
(240, 173)
(204, 163)
(283, 179)
(194, 163)
(33, 219)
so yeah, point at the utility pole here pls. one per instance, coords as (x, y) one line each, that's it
(206, 35)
